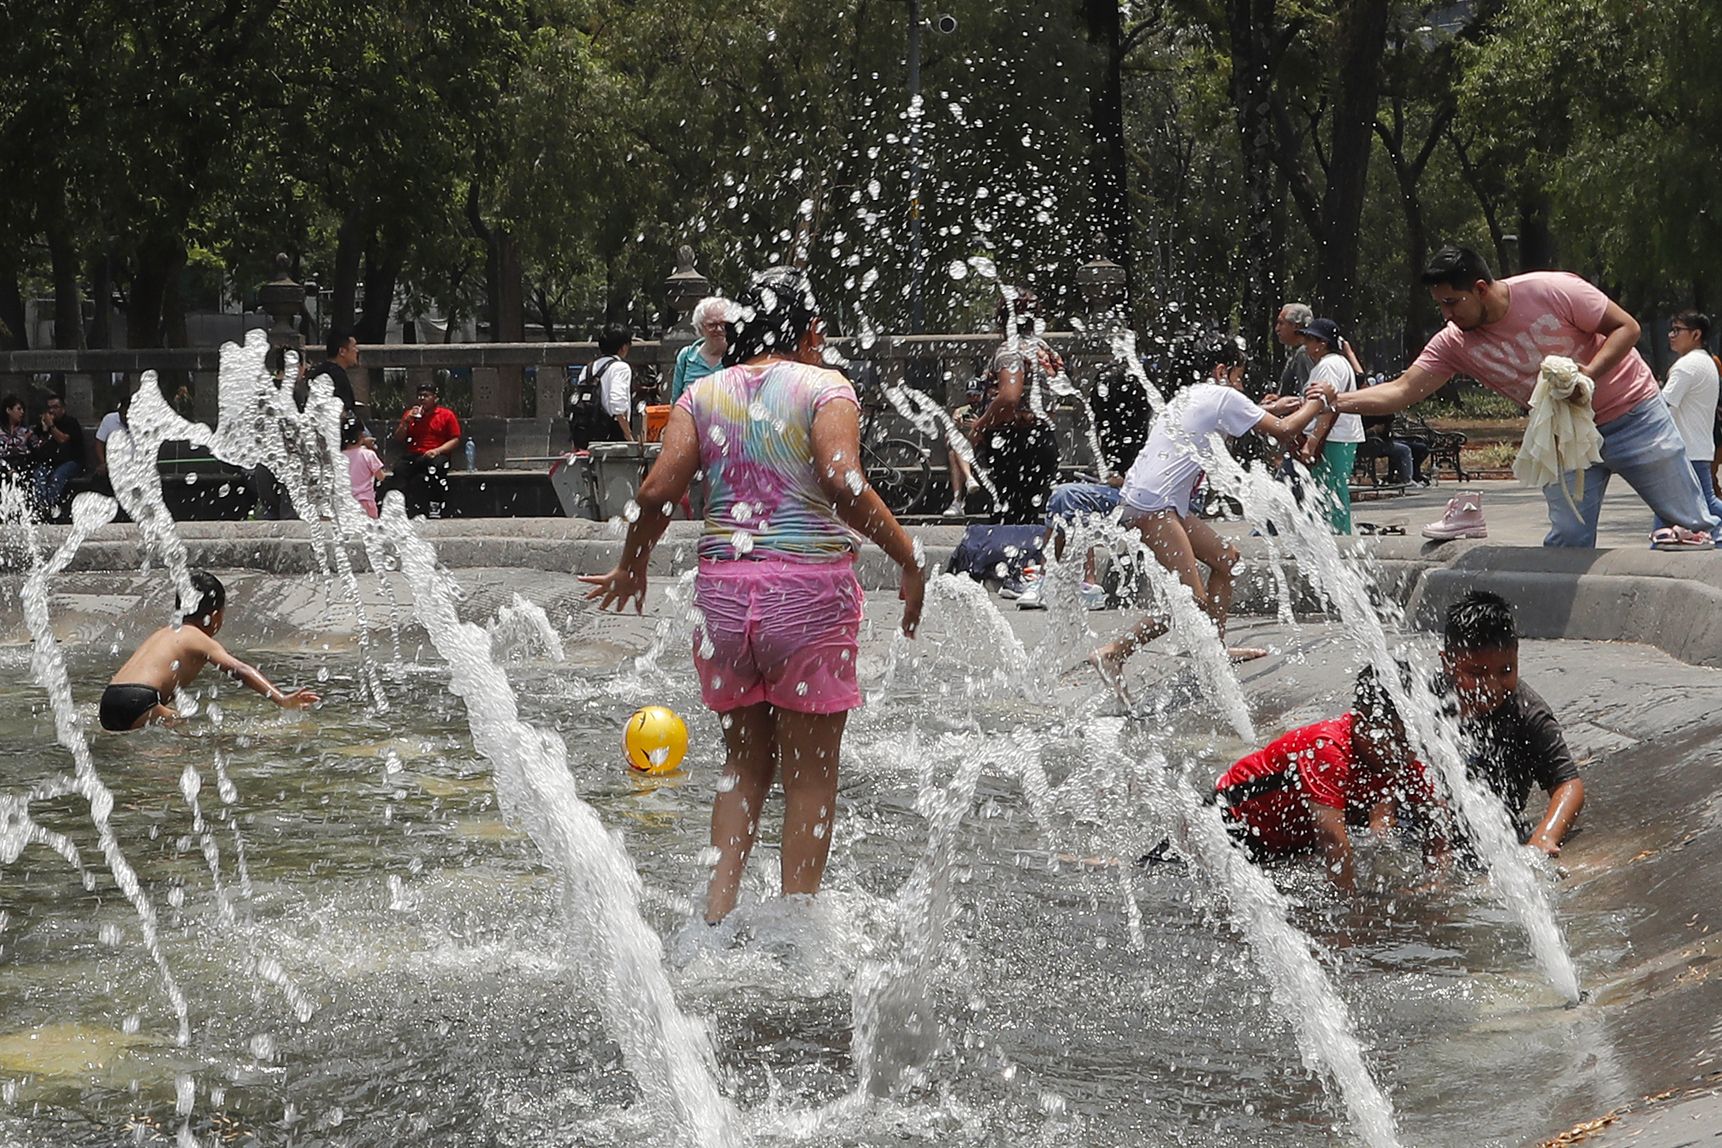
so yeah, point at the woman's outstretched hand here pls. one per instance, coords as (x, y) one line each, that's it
(617, 588)
(912, 590)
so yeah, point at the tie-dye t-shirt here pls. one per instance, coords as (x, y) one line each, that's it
(763, 498)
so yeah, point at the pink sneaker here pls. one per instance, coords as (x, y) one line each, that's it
(1680, 538)
(1464, 519)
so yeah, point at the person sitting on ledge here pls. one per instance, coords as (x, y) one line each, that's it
(1511, 736)
(430, 433)
(59, 456)
(172, 656)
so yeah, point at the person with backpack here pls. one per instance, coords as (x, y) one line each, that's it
(601, 407)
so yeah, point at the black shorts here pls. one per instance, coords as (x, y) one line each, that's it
(123, 705)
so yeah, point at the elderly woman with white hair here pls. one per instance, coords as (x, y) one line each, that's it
(697, 360)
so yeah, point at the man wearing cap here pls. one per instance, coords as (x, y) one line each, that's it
(430, 434)
(1499, 331)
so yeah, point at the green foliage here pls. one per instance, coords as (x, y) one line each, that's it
(401, 146)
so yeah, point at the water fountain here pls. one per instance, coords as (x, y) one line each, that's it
(1082, 777)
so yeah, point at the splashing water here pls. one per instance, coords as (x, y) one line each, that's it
(522, 628)
(670, 1056)
(1349, 588)
(896, 1024)
(90, 511)
(1301, 992)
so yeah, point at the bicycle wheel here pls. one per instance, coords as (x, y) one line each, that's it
(899, 470)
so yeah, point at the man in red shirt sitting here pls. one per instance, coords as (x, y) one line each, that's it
(430, 433)
(1306, 790)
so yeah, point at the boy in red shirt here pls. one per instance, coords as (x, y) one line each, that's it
(1306, 790)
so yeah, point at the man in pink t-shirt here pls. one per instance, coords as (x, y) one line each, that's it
(1499, 331)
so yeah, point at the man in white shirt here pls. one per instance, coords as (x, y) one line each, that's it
(1691, 395)
(614, 378)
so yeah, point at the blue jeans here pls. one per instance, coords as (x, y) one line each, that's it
(51, 484)
(1702, 470)
(1643, 447)
(1071, 501)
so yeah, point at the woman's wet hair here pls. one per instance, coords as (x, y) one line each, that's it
(1480, 621)
(10, 401)
(1221, 352)
(771, 316)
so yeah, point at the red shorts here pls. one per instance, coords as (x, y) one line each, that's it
(779, 631)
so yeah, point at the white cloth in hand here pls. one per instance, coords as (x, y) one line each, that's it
(1561, 433)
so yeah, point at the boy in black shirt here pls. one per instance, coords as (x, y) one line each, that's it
(1511, 736)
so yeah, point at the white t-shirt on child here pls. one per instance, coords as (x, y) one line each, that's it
(1180, 445)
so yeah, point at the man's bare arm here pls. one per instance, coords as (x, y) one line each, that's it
(1415, 385)
(1622, 333)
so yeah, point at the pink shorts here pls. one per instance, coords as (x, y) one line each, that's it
(779, 631)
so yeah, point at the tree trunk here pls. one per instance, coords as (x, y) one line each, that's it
(68, 301)
(1491, 216)
(159, 260)
(349, 253)
(382, 272)
(1356, 91)
(102, 300)
(1249, 24)
(13, 334)
(1536, 239)
(508, 323)
(1109, 186)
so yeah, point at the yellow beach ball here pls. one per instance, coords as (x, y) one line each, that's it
(656, 739)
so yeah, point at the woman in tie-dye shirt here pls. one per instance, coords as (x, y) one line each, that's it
(778, 439)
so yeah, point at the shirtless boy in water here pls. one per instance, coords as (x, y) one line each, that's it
(172, 656)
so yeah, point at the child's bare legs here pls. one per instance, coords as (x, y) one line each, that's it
(1169, 541)
(807, 750)
(750, 737)
(1221, 559)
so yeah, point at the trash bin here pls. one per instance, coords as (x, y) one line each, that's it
(617, 469)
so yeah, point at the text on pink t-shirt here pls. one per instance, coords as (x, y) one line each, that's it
(1548, 313)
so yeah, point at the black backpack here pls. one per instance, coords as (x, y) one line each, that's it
(588, 421)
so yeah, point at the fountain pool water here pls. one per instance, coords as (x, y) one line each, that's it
(451, 1007)
(353, 943)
